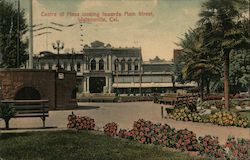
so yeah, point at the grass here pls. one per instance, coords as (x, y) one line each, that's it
(79, 145)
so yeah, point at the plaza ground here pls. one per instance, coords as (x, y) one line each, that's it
(125, 114)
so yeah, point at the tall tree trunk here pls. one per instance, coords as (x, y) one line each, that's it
(7, 123)
(208, 85)
(226, 78)
(201, 87)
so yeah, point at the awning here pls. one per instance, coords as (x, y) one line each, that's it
(143, 85)
(190, 84)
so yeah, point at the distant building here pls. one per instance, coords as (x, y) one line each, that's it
(105, 69)
(177, 54)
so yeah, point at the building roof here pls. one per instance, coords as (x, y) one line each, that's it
(50, 55)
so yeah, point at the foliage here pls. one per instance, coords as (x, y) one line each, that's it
(221, 31)
(9, 35)
(202, 104)
(239, 71)
(184, 114)
(80, 123)
(71, 121)
(69, 145)
(222, 118)
(110, 129)
(238, 149)
(7, 111)
(210, 147)
(186, 140)
(226, 118)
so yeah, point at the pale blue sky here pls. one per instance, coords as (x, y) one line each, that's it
(156, 35)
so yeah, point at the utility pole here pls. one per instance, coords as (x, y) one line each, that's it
(31, 37)
(18, 35)
(140, 74)
(73, 56)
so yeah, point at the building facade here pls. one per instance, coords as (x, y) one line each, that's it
(102, 68)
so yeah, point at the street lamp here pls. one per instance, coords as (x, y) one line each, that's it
(73, 56)
(58, 46)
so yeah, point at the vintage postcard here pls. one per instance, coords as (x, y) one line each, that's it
(124, 79)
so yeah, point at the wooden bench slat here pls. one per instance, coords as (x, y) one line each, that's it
(31, 115)
(27, 107)
(31, 111)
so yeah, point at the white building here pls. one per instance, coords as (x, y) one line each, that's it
(105, 69)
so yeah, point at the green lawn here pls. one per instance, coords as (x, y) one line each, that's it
(70, 145)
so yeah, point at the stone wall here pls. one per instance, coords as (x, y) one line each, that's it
(45, 82)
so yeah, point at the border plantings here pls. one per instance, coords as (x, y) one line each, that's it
(80, 123)
(7, 111)
(208, 146)
(222, 118)
(82, 145)
(110, 129)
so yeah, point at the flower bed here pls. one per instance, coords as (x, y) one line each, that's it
(210, 147)
(222, 118)
(238, 149)
(85, 123)
(110, 129)
(147, 132)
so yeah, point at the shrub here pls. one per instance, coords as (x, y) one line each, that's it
(222, 118)
(7, 111)
(186, 140)
(123, 133)
(110, 129)
(184, 114)
(239, 149)
(228, 119)
(71, 121)
(209, 146)
(85, 123)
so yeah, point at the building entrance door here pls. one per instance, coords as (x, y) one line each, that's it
(96, 84)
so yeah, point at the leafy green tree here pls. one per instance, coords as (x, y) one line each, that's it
(200, 65)
(9, 35)
(240, 71)
(7, 111)
(227, 33)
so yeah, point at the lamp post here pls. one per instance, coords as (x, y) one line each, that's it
(58, 46)
(73, 56)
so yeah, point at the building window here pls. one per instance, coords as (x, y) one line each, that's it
(50, 66)
(78, 67)
(93, 65)
(72, 68)
(65, 66)
(136, 65)
(116, 64)
(123, 65)
(129, 65)
(101, 65)
(42, 66)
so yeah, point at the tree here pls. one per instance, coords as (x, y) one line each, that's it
(7, 111)
(9, 35)
(200, 64)
(240, 71)
(227, 34)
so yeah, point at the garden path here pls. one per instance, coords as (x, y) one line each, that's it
(125, 114)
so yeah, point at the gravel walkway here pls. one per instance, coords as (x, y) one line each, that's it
(125, 114)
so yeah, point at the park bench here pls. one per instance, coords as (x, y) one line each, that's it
(30, 108)
(173, 100)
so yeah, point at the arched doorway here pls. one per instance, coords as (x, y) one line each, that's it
(96, 84)
(27, 93)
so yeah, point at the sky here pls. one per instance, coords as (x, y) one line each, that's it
(156, 33)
